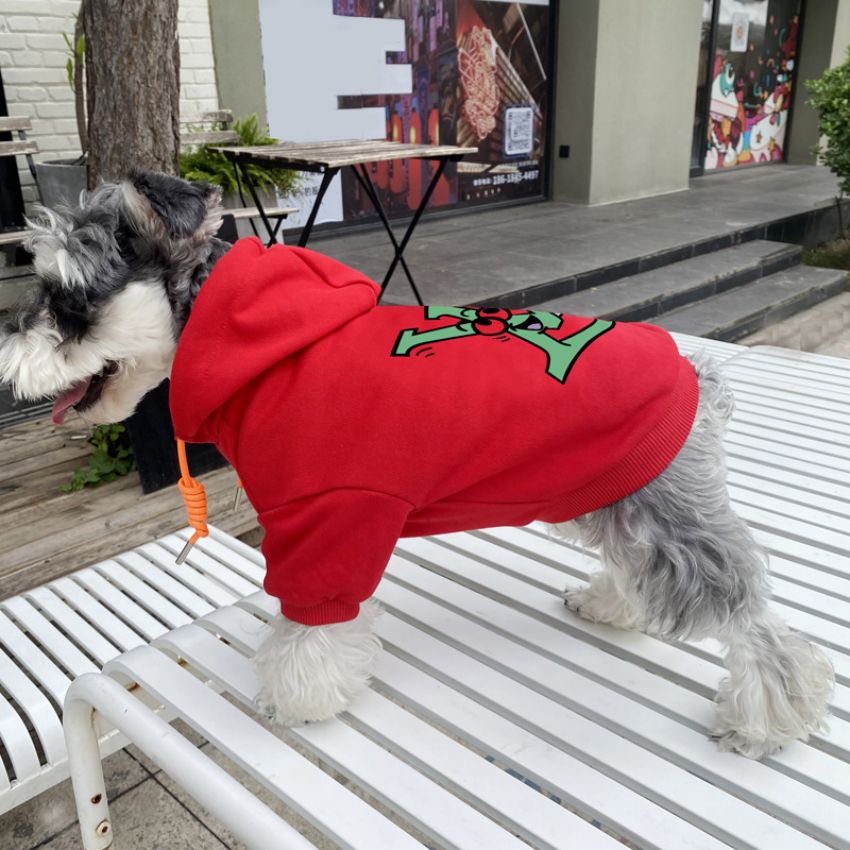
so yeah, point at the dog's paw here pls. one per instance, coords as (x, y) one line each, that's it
(597, 603)
(733, 741)
(579, 602)
(300, 709)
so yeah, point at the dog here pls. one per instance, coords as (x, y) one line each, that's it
(134, 286)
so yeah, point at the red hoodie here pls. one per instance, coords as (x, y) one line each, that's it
(352, 425)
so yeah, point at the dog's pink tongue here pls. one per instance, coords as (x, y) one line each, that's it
(68, 399)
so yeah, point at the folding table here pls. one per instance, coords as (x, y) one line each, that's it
(327, 159)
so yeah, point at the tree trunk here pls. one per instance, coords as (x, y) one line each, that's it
(133, 86)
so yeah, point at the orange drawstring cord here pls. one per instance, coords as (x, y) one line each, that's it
(195, 499)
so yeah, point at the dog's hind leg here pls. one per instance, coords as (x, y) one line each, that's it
(686, 563)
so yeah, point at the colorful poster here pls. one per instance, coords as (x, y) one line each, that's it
(479, 78)
(750, 96)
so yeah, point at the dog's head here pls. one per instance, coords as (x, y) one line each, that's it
(116, 278)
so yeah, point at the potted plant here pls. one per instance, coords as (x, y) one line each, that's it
(62, 181)
(202, 163)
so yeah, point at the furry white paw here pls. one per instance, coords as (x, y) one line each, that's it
(778, 691)
(732, 741)
(601, 602)
(311, 673)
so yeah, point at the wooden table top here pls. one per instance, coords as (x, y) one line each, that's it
(339, 153)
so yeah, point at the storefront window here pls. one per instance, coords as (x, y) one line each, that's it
(480, 78)
(751, 75)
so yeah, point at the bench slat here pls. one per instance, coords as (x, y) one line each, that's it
(821, 506)
(33, 659)
(468, 775)
(19, 147)
(144, 595)
(671, 662)
(790, 429)
(248, 562)
(15, 739)
(209, 137)
(14, 236)
(14, 122)
(217, 116)
(68, 655)
(826, 399)
(118, 601)
(240, 213)
(391, 781)
(802, 373)
(165, 584)
(644, 748)
(311, 792)
(60, 613)
(33, 702)
(229, 580)
(186, 573)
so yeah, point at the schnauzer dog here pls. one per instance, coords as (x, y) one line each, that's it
(112, 315)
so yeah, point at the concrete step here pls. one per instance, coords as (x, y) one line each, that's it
(651, 293)
(746, 309)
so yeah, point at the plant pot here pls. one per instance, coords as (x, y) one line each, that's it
(60, 182)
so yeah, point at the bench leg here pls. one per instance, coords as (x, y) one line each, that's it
(93, 694)
(86, 772)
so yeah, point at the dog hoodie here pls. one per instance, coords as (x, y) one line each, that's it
(351, 424)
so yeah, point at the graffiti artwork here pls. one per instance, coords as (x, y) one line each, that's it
(751, 83)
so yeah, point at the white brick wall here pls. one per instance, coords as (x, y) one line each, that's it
(33, 56)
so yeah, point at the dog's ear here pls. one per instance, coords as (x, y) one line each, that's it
(161, 205)
(72, 248)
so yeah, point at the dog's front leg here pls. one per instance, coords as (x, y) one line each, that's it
(311, 673)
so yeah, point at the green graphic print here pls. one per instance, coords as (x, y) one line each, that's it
(530, 327)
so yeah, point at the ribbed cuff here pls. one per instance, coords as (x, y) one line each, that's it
(323, 614)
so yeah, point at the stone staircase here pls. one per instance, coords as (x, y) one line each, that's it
(726, 294)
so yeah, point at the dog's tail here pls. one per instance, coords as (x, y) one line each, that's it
(717, 402)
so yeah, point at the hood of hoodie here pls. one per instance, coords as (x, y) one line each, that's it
(257, 307)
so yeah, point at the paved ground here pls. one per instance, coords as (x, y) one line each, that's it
(470, 258)
(823, 329)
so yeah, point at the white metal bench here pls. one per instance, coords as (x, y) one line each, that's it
(78, 623)
(497, 719)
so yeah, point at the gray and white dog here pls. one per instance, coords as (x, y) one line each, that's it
(117, 279)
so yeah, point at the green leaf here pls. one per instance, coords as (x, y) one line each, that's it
(203, 164)
(112, 457)
(831, 100)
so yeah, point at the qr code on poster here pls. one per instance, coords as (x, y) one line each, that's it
(519, 130)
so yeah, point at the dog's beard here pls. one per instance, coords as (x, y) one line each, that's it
(127, 352)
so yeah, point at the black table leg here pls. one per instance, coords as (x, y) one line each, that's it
(257, 202)
(413, 222)
(326, 181)
(362, 175)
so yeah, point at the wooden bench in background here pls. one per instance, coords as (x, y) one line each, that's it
(26, 147)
